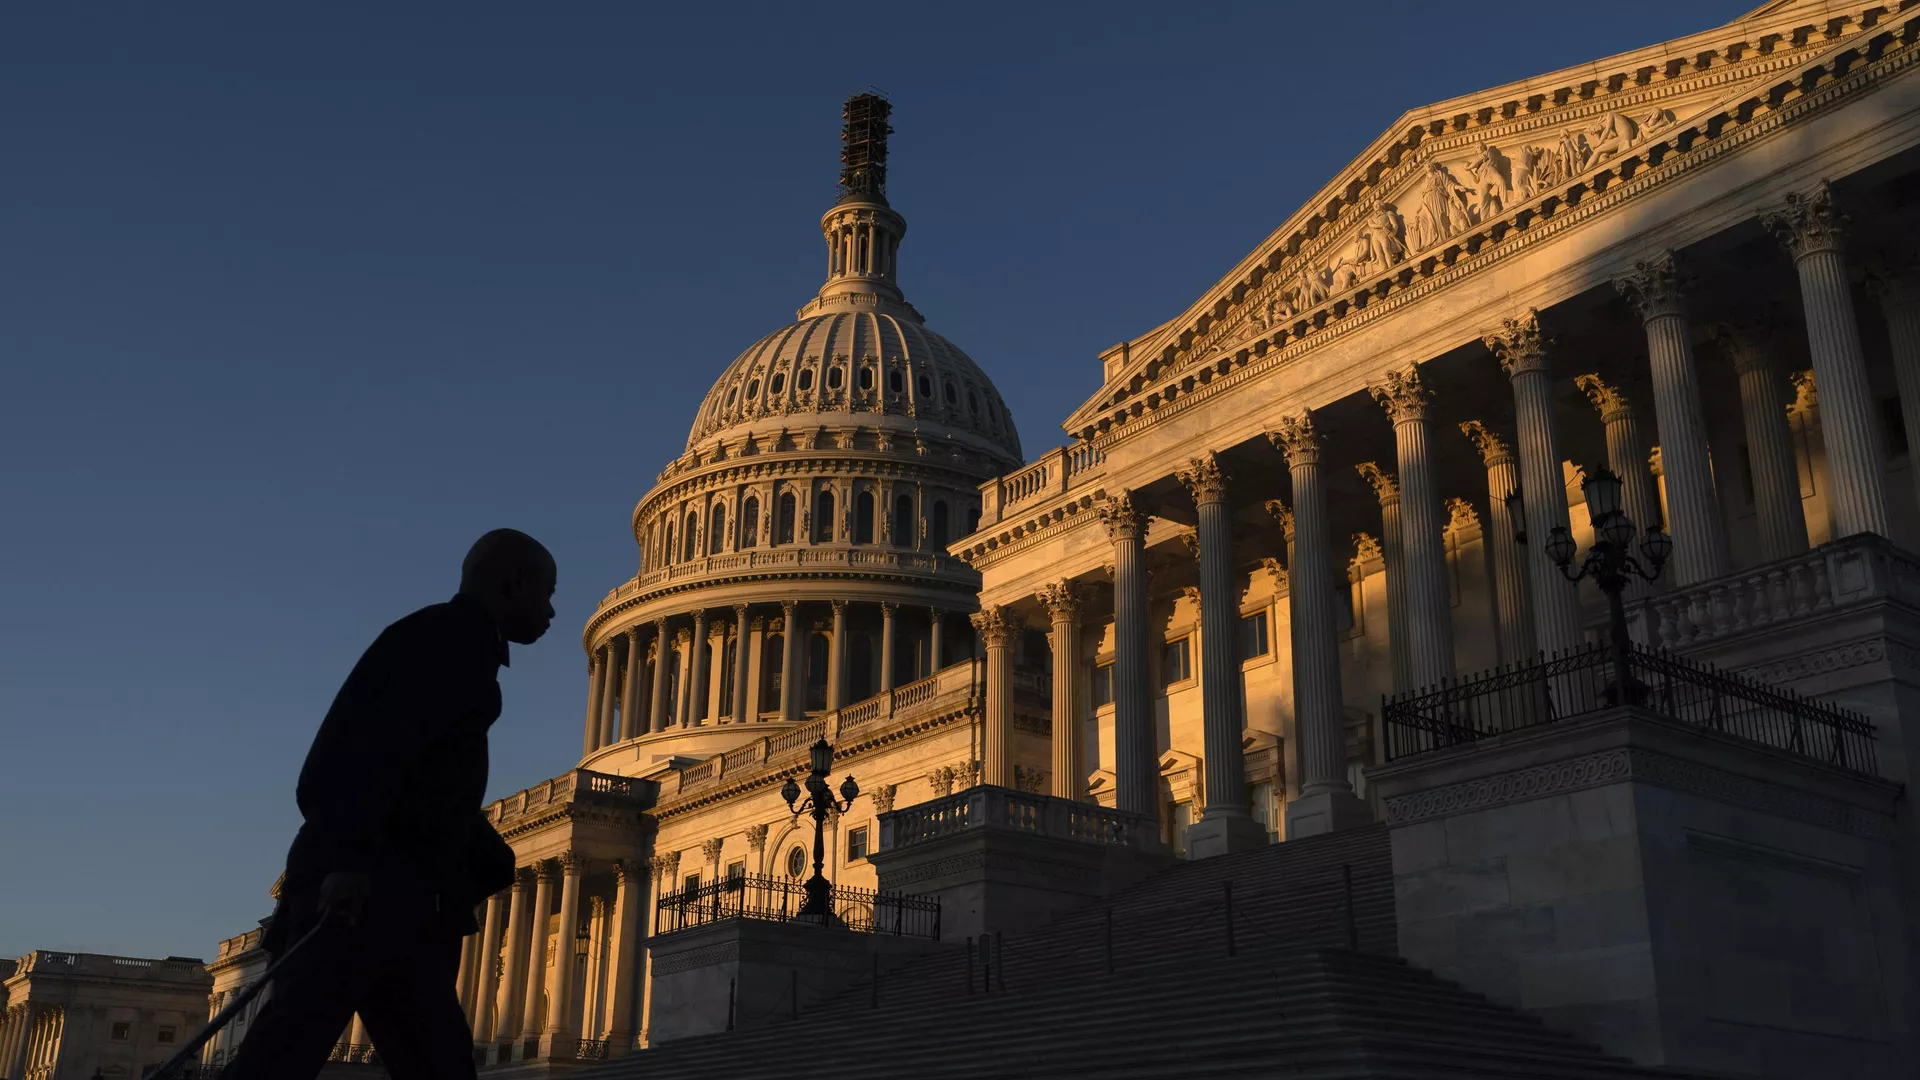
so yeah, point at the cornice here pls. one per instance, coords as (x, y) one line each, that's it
(1675, 152)
(1010, 538)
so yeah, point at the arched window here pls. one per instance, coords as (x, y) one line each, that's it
(805, 379)
(836, 375)
(953, 394)
(750, 522)
(896, 382)
(753, 388)
(940, 536)
(690, 537)
(717, 530)
(863, 518)
(823, 518)
(666, 547)
(778, 383)
(646, 547)
(773, 651)
(973, 401)
(732, 392)
(924, 385)
(866, 378)
(903, 521)
(783, 519)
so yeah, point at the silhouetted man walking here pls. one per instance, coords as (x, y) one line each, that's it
(394, 852)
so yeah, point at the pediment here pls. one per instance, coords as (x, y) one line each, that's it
(1436, 183)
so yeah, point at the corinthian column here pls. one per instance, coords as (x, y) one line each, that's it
(1898, 291)
(630, 728)
(1521, 348)
(1387, 489)
(596, 679)
(1136, 756)
(630, 898)
(741, 647)
(537, 951)
(1226, 826)
(1512, 604)
(837, 658)
(1780, 516)
(997, 631)
(657, 710)
(1423, 531)
(886, 647)
(481, 1017)
(1063, 605)
(792, 675)
(1326, 801)
(1812, 230)
(1655, 289)
(1627, 458)
(609, 692)
(693, 704)
(561, 1026)
(516, 960)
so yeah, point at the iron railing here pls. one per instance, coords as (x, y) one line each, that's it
(1582, 681)
(772, 899)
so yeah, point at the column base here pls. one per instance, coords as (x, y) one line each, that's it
(1218, 834)
(1325, 812)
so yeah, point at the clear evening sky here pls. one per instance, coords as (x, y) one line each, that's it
(296, 303)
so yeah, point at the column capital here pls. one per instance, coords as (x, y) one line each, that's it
(628, 871)
(1402, 395)
(1282, 515)
(1744, 341)
(666, 864)
(1492, 445)
(1655, 287)
(756, 837)
(787, 606)
(1519, 343)
(1123, 519)
(549, 870)
(888, 608)
(1273, 566)
(1385, 485)
(1608, 400)
(839, 608)
(1296, 438)
(1460, 514)
(711, 849)
(883, 797)
(572, 863)
(660, 624)
(1204, 478)
(523, 877)
(1807, 223)
(1062, 599)
(1366, 548)
(633, 636)
(1806, 396)
(740, 612)
(996, 626)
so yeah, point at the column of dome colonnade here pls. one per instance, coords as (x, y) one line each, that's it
(1423, 521)
(1326, 802)
(1226, 824)
(1813, 232)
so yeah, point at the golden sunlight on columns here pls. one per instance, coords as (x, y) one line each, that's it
(998, 630)
(1423, 527)
(1522, 348)
(516, 955)
(1136, 754)
(1062, 601)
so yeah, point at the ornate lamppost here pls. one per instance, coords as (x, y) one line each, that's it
(820, 803)
(1611, 564)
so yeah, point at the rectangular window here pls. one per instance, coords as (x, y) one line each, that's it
(1103, 684)
(1253, 635)
(736, 871)
(122, 1031)
(1176, 662)
(691, 885)
(857, 843)
(165, 1035)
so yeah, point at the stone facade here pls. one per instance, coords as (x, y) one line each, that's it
(74, 1016)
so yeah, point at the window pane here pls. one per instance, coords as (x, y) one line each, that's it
(1253, 635)
(857, 843)
(1103, 685)
(1176, 663)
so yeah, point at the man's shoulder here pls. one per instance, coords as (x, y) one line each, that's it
(442, 627)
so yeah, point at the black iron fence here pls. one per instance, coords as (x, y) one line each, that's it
(783, 899)
(1585, 680)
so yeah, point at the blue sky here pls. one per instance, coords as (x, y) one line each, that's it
(295, 303)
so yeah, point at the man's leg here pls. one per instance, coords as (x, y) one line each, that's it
(413, 1014)
(309, 1004)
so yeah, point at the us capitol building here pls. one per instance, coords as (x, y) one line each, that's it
(1302, 570)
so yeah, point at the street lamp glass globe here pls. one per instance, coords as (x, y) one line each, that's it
(849, 790)
(1560, 546)
(1617, 529)
(1658, 545)
(790, 791)
(822, 757)
(1602, 489)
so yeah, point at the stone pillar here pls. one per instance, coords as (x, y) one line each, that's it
(537, 921)
(757, 672)
(1136, 751)
(609, 691)
(742, 649)
(657, 708)
(693, 703)
(1423, 530)
(1326, 802)
(1387, 489)
(792, 672)
(19, 1022)
(1655, 289)
(630, 699)
(507, 1014)
(1627, 458)
(998, 630)
(1812, 230)
(1069, 772)
(1898, 292)
(935, 639)
(1512, 606)
(487, 987)
(630, 898)
(562, 1025)
(1521, 348)
(1226, 824)
(596, 681)
(1779, 515)
(463, 982)
(837, 658)
(886, 647)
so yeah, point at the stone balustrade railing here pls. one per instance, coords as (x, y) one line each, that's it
(1846, 572)
(1055, 472)
(565, 788)
(988, 807)
(105, 966)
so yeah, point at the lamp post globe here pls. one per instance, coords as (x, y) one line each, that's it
(820, 804)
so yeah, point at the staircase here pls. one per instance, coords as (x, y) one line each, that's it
(1236, 966)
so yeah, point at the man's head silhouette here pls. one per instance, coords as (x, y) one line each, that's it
(514, 576)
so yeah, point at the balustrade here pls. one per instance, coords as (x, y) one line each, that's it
(1847, 571)
(986, 806)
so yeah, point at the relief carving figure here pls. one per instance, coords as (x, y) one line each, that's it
(1572, 157)
(1615, 134)
(1489, 173)
(1443, 210)
(1379, 245)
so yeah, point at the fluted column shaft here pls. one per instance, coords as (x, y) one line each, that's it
(596, 681)
(560, 1019)
(516, 959)
(628, 904)
(1135, 749)
(1310, 588)
(657, 708)
(886, 647)
(1626, 458)
(1393, 554)
(1522, 350)
(742, 647)
(997, 629)
(15, 1058)
(609, 691)
(1513, 608)
(792, 673)
(837, 658)
(463, 982)
(936, 644)
(1423, 524)
(1063, 606)
(1780, 516)
(480, 1009)
(1812, 231)
(630, 698)
(693, 706)
(1899, 296)
(536, 982)
(1223, 721)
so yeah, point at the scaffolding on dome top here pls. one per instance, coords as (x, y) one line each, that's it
(863, 143)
